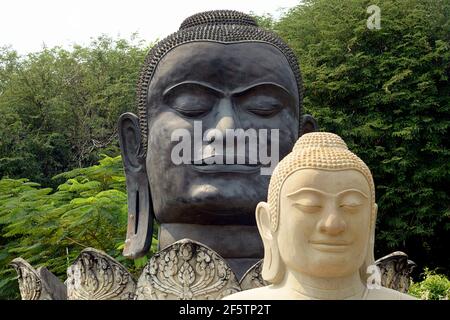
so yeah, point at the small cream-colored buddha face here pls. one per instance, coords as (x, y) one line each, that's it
(324, 222)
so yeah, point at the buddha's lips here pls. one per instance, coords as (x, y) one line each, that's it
(239, 164)
(221, 159)
(225, 160)
(236, 168)
(203, 163)
(330, 245)
(331, 242)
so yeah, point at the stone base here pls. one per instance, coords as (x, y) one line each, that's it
(240, 246)
(241, 265)
(185, 269)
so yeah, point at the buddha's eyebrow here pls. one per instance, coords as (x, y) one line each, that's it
(295, 193)
(273, 85)
(302, 190)
(203, 85)
(353, 191)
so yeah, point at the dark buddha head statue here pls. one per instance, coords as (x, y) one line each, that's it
(218, 71)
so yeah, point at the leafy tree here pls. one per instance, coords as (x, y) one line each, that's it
(51, 228)
(387, 93)
(8, 64)
(434, 286)
(60, 108)
(266, 21)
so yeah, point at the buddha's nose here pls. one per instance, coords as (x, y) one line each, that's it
(226, 117)
(332, 224)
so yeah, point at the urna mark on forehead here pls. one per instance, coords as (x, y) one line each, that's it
(225, 66)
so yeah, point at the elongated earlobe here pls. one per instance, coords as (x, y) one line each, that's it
(370, 257)
(273, 268)
(308, 124)
(140, 207)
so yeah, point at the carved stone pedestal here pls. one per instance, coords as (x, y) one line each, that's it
(253, 278)
(396, 271)
(38, 284)
(96, 276)
(185, 270)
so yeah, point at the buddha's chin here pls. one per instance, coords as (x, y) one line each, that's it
(203, 191)
(331, 271)
(208, 197)
(335, 268)
(207, 204)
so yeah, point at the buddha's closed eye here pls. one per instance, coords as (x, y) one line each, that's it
(191, 99)
(352, 201)
(307, 206)
(265, 108)
(193, 106)
(191, 111)
(350, 206)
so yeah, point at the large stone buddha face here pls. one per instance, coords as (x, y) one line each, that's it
(324, 225)
(224, 86)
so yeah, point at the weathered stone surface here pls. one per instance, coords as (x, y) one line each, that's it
(96, 276)
(52, 285)
(253, 278)
(241, 265)
(38, 284)
(186, 270)
(29, 282)
(222, 51)
(318, 226)
(240, 246)
(396, 271)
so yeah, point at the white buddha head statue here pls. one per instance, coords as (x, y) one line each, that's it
(320, 216)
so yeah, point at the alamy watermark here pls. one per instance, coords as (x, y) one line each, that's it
(374, 280)
(233, 147)
(374, 21)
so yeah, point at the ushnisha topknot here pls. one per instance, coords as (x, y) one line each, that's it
(316, 150)
(319, 140)
(218, 17)
(224, 26)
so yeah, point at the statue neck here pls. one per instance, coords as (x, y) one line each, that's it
(307, 287)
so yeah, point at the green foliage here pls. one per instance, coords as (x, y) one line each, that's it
(60, 108)
(387, 93)
(265, 21)
(51, 228)
(433, 287)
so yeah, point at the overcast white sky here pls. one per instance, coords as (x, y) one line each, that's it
(27, 24)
